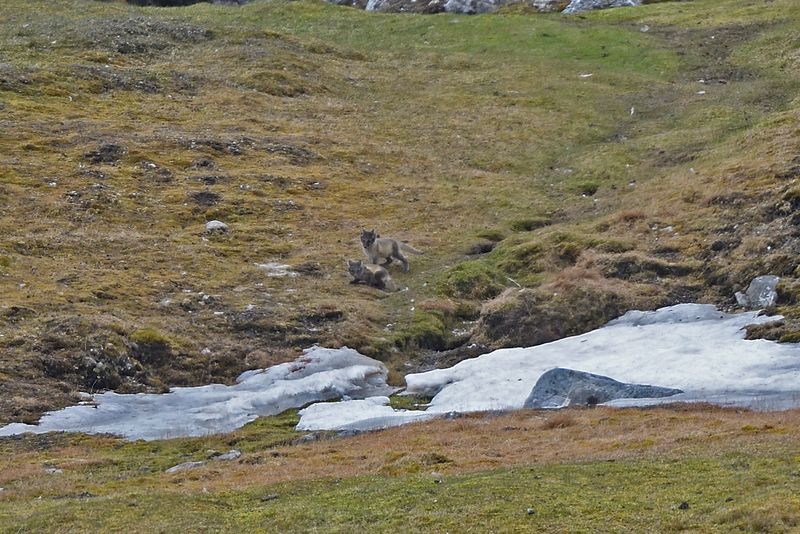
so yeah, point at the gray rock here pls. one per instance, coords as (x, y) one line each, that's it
(184, 466)
(559, 387)
(398, 6)
(466, 7)
(232, 454)
(761, 292)
(547, 6)
(579, 6)
(470, 6)
(216, 227)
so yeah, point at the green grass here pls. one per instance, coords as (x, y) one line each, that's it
(748, 491)
(575, 470)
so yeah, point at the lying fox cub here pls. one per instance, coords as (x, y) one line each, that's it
(372, 275)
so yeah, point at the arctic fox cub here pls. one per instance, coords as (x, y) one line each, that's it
(372, 275)
(382, 250)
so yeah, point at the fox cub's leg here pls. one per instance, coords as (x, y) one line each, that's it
(403, 260)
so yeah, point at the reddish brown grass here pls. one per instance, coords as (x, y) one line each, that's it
(485, 441)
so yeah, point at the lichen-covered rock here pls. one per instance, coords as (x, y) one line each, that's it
(216, 227)
(185, 466)
(471, 6)
(401, 6)
(559, 387)
(579, 6)
(761, 293)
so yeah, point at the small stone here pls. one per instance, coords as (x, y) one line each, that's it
(53, 470)
(683, 506)
(184, 466)
(530, 511)
(230, 455)
(270, 497)
(216, 227)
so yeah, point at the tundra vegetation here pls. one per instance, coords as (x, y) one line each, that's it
(556, 170)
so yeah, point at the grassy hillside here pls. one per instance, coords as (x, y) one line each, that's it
(556, 171)
(627, 158)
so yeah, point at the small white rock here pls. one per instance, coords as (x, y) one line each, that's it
(232, 454)
(184, 466)
(216, 227)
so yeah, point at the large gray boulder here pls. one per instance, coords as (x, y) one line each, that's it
(559, 387)
(579, 6)
(761, 293)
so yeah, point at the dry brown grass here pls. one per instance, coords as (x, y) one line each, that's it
(627, 216)
(559, 420)
(484, 441)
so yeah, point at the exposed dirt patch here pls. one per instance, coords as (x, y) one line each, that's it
(106, 78)
(106, 153)
(141, 35)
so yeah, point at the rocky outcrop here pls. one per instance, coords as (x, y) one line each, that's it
(558, 388)
(177, 3)
(473, 7)
(467, 7)
(579, 6)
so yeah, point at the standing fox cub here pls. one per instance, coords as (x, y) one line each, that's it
(372, 275)
(382, 250)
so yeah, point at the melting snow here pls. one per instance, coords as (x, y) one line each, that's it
(692, 347)
(320, 374)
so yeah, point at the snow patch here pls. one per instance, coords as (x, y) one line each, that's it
(366, 414)
(319, 374)
(692, 347)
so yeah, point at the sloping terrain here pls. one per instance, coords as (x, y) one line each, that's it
(628, 158)
(700, 469)
(556, 171)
